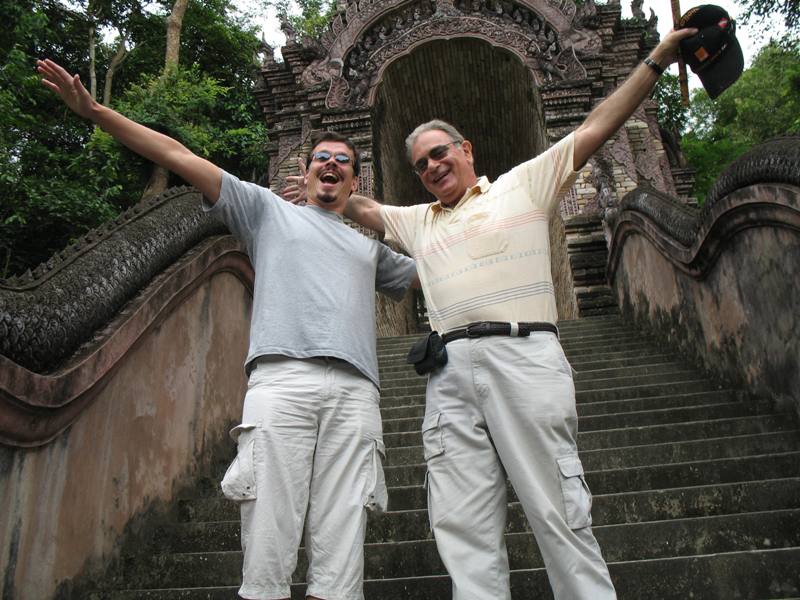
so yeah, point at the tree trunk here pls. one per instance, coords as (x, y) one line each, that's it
(158, 182)
(174, 25)
(92, 65)
(160, 176)
(116, 61)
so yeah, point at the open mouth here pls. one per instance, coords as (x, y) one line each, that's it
(329, 177)
(441, 176)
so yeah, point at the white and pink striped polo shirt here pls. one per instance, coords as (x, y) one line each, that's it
(488, 257)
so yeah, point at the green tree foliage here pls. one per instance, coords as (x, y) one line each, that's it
(311, 19)
(763, 103)
(672, 114)
(759, 10)
(59, 176)
(43, 200)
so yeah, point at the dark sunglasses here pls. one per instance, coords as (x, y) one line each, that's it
(435, 153)
(325, 156)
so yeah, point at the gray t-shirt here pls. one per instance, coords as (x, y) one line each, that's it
(315, 277)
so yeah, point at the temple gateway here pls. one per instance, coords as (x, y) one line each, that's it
(513, 76)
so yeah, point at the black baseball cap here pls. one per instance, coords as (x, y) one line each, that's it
(714, 54)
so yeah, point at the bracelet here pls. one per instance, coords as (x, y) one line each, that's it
(654, 65)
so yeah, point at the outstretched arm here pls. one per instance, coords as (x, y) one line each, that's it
(154, 146)
(612, 112)
(365, 211)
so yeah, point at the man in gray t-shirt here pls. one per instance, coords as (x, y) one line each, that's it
(310, 419)
(310, 446)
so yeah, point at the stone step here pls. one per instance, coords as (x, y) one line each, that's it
(647, 477)
(616, 420)
(636, 541)
(583, 385)
(631, 456)
(405, 397)
(597, 408)
(628, 506)
(646, 390)
(637, 436)
(632, 360)
(696, 489)
(745, 574)
(414, 497)
(623, 373)
(221, 530)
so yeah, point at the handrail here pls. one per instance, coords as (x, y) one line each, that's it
(65, 328)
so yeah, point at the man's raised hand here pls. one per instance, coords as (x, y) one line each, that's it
(69, 87)
(295, 189)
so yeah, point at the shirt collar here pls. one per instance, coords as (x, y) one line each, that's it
(481, 187)
(324, 212)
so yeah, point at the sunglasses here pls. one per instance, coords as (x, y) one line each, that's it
(435, 153)
(325, 156)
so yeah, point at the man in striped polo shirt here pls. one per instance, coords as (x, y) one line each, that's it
(504, 404)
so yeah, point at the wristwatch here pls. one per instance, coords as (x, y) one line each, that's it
(654, 65)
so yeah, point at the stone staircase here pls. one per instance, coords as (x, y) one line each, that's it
(587, 251)
(696, 491)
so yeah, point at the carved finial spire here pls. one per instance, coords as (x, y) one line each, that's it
(266, 51)
(652, 22)
(636, 9)
(287, 29)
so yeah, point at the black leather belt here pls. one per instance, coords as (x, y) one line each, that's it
(484, 328)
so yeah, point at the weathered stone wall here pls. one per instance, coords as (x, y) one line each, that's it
(156, 421)
(566, 303)
(725, 295)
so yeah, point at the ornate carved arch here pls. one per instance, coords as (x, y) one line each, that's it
(547, 36)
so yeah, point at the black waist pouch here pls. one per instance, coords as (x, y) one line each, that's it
(428, 353)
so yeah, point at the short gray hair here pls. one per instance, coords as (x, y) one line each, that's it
(434, 125)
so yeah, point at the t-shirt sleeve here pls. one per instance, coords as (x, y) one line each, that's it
(400, 223)
(548, 176)
(241, 206)
(394, 274)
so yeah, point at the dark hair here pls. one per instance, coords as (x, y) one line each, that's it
(332, 136)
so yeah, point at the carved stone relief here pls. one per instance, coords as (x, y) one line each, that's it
(355, 63)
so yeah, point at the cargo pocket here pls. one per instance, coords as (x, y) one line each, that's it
(377, 497)
(239, 482)
(432, 435)
(575, 491)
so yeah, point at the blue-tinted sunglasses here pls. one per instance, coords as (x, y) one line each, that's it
(325, 156)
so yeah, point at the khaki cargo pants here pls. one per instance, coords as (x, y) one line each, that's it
(506, 406)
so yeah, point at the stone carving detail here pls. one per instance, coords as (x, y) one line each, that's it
(776, 161)
(355, 62)
(286, 145)
(46, 315)
(619, 148)
(602, 178)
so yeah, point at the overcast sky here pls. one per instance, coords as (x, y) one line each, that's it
(751, 38)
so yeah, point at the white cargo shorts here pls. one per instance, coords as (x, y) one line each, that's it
(310, 452)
